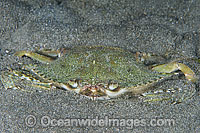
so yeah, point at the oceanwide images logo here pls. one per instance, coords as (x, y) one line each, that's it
(47, 121)
(30, 120)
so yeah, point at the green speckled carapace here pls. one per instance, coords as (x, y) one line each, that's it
(97, 72)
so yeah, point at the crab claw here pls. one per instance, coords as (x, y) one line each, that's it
(173, 66)
(44, 56)
(34, 55)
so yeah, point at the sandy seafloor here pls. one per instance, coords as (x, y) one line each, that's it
(150, 26)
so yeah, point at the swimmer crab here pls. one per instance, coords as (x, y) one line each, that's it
(97, 72)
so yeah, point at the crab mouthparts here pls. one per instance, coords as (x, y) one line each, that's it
(93, 91)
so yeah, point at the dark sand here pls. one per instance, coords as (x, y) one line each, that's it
(150, 26)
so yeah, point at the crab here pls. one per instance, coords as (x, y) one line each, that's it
(97, 72)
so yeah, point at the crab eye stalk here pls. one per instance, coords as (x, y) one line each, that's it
(73, 83)
(113, 86)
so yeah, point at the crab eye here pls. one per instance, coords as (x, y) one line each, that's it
(113, 86)
(73, 83)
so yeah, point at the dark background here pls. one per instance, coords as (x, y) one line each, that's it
(158, 26)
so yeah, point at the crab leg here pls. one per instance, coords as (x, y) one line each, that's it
(45, 86)
(52, 53)
(173, 95)
(173, 66)
(8, 79)
(44, 56)
(36, 56)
